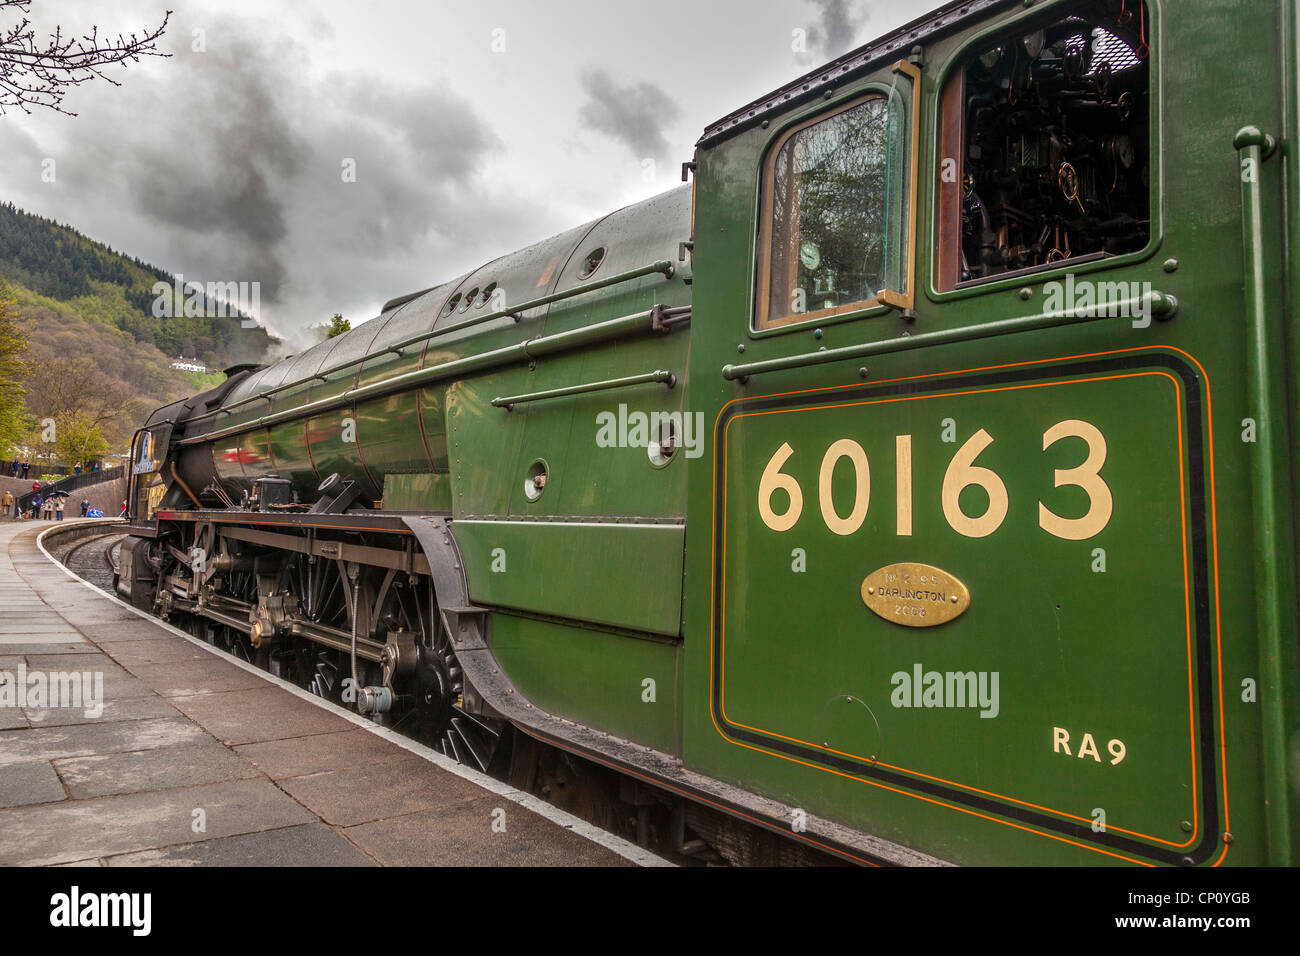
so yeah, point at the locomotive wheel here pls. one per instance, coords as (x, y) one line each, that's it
(316, 671)
(437, 716)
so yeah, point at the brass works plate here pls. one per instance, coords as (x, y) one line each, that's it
(915, 595)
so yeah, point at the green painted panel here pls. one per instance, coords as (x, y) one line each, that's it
(433, 417)
(427, 492)
(289, 450)
(482, 441)
(225, 456)
(388, 436)
(332, 453)
(622, 575)
(594, 677)
(597, 443)
(255, 454)
(1054, 669)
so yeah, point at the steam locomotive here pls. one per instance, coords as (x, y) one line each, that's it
(913, 487)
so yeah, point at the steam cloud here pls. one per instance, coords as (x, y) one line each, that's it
(227, 165)
(635, 115)
(837, 27)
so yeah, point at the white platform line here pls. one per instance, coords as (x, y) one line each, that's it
(627, 850)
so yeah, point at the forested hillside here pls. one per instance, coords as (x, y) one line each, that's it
(56, 264)
(80, 345)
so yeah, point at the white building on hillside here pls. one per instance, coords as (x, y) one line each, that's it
(189, 365)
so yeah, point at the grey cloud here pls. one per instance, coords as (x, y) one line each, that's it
(837, 26)
(634, 115)
(230, 161)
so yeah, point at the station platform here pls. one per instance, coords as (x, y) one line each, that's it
(195, 758)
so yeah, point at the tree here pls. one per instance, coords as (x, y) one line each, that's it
(337, 325)
(39, 72)
(13, 343)
(78, 439)
(68, 387)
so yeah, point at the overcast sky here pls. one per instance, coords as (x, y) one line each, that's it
(476, 128)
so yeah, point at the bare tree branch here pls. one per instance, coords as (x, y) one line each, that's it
(39, 72)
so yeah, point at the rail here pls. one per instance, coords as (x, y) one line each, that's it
(657, 320)
(1270, 490)
(667, 378)
(1159, 304)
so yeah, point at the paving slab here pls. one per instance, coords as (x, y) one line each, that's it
(320, 752)
(22, 622)
(67, 647)
(463, 835)
(311, 844)
(347, 797)
(108, 634)
(131, 653)
(99, 737)
(77, 830)
(34, 782)
(266, 713)
(194, 678)
(125, 686)
(8, 642)
(116, 708)
(204, 761)
(93, 662)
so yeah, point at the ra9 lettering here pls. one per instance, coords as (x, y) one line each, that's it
(962, 472)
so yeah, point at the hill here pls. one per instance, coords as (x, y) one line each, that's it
(80, 344)
(57, 264)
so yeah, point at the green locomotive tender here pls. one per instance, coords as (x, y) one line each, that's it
(914, 486)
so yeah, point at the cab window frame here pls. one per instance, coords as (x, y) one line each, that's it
(901, 230)
(947, 129)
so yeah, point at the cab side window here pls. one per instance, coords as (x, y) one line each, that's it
(1046, 138)
(830, 189)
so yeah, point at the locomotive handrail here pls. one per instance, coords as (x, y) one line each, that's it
(667, 378)
(1269, 469)
(1160, 304)
(664, 266)
(657, 321)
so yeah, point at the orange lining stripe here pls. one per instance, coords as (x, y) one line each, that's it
(1186, 600)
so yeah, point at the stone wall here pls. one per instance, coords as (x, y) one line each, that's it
(106, 496)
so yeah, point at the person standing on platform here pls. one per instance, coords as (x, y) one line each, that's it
(27, 467)
(60, 503)
(85, 506)
(7, 502)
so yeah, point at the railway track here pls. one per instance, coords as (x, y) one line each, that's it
(93, 559)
